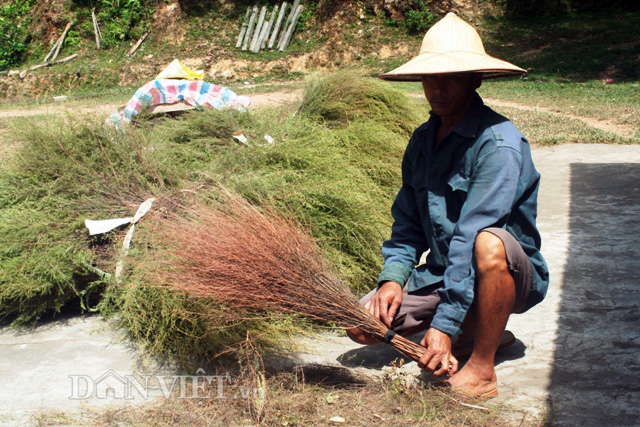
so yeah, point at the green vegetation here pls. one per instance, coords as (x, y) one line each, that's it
(335, 175)
(14, 37)
(545, 8)
(120, 20)
(124, 20)
(58, 174)
(418, 18)
(575, 48)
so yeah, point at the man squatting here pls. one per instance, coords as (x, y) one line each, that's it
(469, 198)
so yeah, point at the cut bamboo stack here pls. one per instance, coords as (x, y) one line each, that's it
(261, 32)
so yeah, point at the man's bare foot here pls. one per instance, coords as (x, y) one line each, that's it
(360, 337)
(475, 381)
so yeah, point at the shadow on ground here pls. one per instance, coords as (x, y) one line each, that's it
(380, 355)
(595, 379)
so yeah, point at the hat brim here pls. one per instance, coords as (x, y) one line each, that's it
(452, 62)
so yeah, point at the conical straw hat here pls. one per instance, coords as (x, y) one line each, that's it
(452, 46)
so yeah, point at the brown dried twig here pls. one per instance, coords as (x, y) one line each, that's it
(255, 260)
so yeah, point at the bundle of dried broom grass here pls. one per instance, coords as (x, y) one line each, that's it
(254, 260)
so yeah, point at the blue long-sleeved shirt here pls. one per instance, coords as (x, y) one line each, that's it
(481, 175)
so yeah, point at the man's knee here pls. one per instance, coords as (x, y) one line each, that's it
(489, 252)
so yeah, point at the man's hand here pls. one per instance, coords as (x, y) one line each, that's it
(438, 345)
(384, 304)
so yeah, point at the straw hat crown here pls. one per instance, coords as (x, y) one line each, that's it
(452, 34)
(452, 46)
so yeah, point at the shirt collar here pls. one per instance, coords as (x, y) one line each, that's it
(468, 126)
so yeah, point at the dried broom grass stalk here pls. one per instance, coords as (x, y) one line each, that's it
(256, 260)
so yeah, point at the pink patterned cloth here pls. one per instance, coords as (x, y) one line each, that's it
(169, 91)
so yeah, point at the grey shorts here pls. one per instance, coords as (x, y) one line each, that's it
(419, 307)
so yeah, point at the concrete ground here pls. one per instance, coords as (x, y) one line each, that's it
(65, 365)
(577, 357)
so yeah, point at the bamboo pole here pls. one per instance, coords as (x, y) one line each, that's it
(256, 34)
(288, 23)
(55, 45)
(274, 35)
(293, 10)
(62, 61)
(96, 28)
(252, 21)
(264, 31)
(48, 64)
(256, 37)
(99, 31)
(292, 28)
(243, 30)
(135, 47)
(61, 41)
(265, 36)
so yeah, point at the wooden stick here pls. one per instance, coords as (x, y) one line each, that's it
(255, 43)
(55, 45)
(96, 29)
(256, 34)
(292, 28)
(62, 37)
(62, 61)
(288, 23)
(274, 35)
(252, 22)
(243, 29)
(293, 10)
(265, 36)
(48, 64)
(137, 45)
(264, 31)
(468, 405)
(35, 67)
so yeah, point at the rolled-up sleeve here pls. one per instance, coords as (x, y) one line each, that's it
(491, 195)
